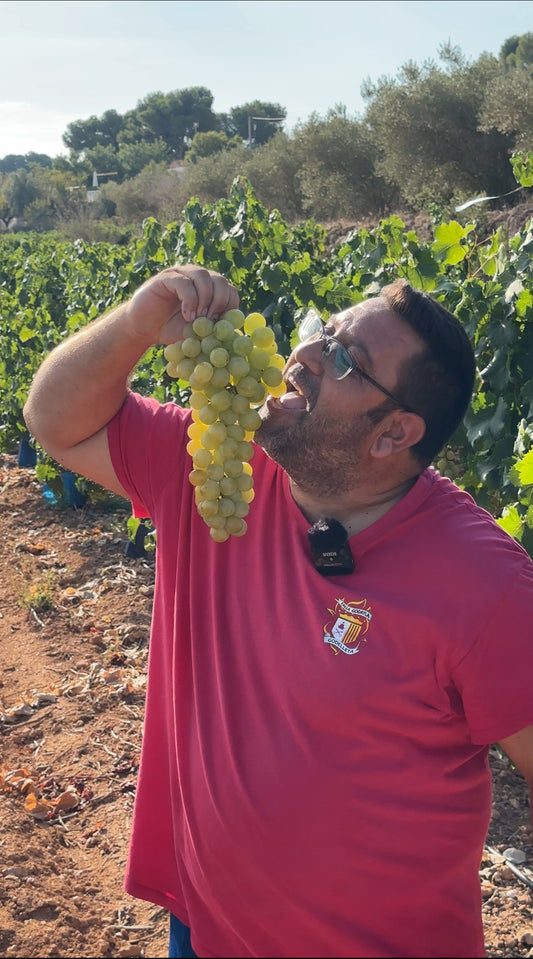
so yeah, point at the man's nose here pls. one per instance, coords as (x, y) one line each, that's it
(310, 353)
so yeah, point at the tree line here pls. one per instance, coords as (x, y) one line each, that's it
(428, 139)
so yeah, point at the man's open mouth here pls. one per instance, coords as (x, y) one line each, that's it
(294, 398)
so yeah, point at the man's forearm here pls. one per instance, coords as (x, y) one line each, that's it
(83, 382)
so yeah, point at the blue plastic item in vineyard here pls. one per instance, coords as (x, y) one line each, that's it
(73, 496)
(27, 454)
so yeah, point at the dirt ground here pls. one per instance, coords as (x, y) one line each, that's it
(74, 630)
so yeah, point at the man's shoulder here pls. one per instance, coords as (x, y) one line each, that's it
(461, 524)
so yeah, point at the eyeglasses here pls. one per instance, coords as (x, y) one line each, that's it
(338, 362)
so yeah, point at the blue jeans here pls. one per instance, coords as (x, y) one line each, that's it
(179, 946)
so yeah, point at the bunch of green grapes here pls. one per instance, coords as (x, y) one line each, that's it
(450, 463)
(231, 364)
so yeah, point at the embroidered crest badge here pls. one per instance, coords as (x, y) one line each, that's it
(345, 632)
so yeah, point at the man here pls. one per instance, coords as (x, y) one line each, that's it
(314, 777)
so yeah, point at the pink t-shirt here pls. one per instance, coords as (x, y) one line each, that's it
(314, 777)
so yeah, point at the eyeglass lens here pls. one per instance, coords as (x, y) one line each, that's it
(342, 361)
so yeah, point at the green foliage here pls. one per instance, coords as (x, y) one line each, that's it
(49, 289)
(337, 176)
(434, 135)
(208, 144)
(425, 127)
(522, 164)
(170, 117)
(41, 195)
(152, 193)
(82, 135)
(517, 52)
(257, 120)
(507, 107)
(278, 270)
(274, 170)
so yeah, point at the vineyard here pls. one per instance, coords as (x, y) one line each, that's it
(49, 289)
(78, 583)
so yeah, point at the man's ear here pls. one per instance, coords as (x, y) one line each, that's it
(398, 431)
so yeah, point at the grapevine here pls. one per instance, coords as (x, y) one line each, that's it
(230, 364)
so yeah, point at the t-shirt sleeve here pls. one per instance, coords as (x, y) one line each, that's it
(495, 678)
(146, 442)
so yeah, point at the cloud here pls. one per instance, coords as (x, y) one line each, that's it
(27, 128)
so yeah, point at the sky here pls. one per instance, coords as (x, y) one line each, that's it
(64, 60)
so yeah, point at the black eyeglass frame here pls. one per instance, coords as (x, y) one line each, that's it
(309, 328)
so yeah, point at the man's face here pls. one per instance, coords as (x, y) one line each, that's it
(319, 430)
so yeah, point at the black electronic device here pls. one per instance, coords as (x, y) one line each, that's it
(330, 548)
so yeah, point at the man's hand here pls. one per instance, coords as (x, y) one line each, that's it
(160, 308)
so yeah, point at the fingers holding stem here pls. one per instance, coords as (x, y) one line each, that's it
(202, 292)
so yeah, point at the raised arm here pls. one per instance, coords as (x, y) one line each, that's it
(83, 382)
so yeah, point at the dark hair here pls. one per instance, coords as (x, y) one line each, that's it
(438, 381)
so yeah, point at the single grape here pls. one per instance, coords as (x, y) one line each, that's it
(196, 400)
(214, 435)
(247, 386)
(236, 317)
(192, 447)
(226, 506)
(203, 326)
(173, 353)
(221, 401)
(278, 361)
(250, 420)
(263, 337)
(191, 347)
(220, 378)
(228, 448)
(233, 468)
(259, 359)
(244, 451)
(209, 343)
(207, 508)
(277, 390)
(185, 368)
(224, 329)
(215, 472)
(216, 522)
(228, 417)
(200, 375)
(219, 357)
(238, 367)
(272, 377)
(239, 404)
(235, 526)
(207, 414)
(252, 321)
(201, 458)
(244, 482)
(195, 431)
(235, 432)
(219, 535)
(209, 489)
(242, 345)
(229, 485)
(197, 477)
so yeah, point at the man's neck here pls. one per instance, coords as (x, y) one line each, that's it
(356, 509)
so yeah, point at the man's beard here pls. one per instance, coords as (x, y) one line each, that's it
(323, 456)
